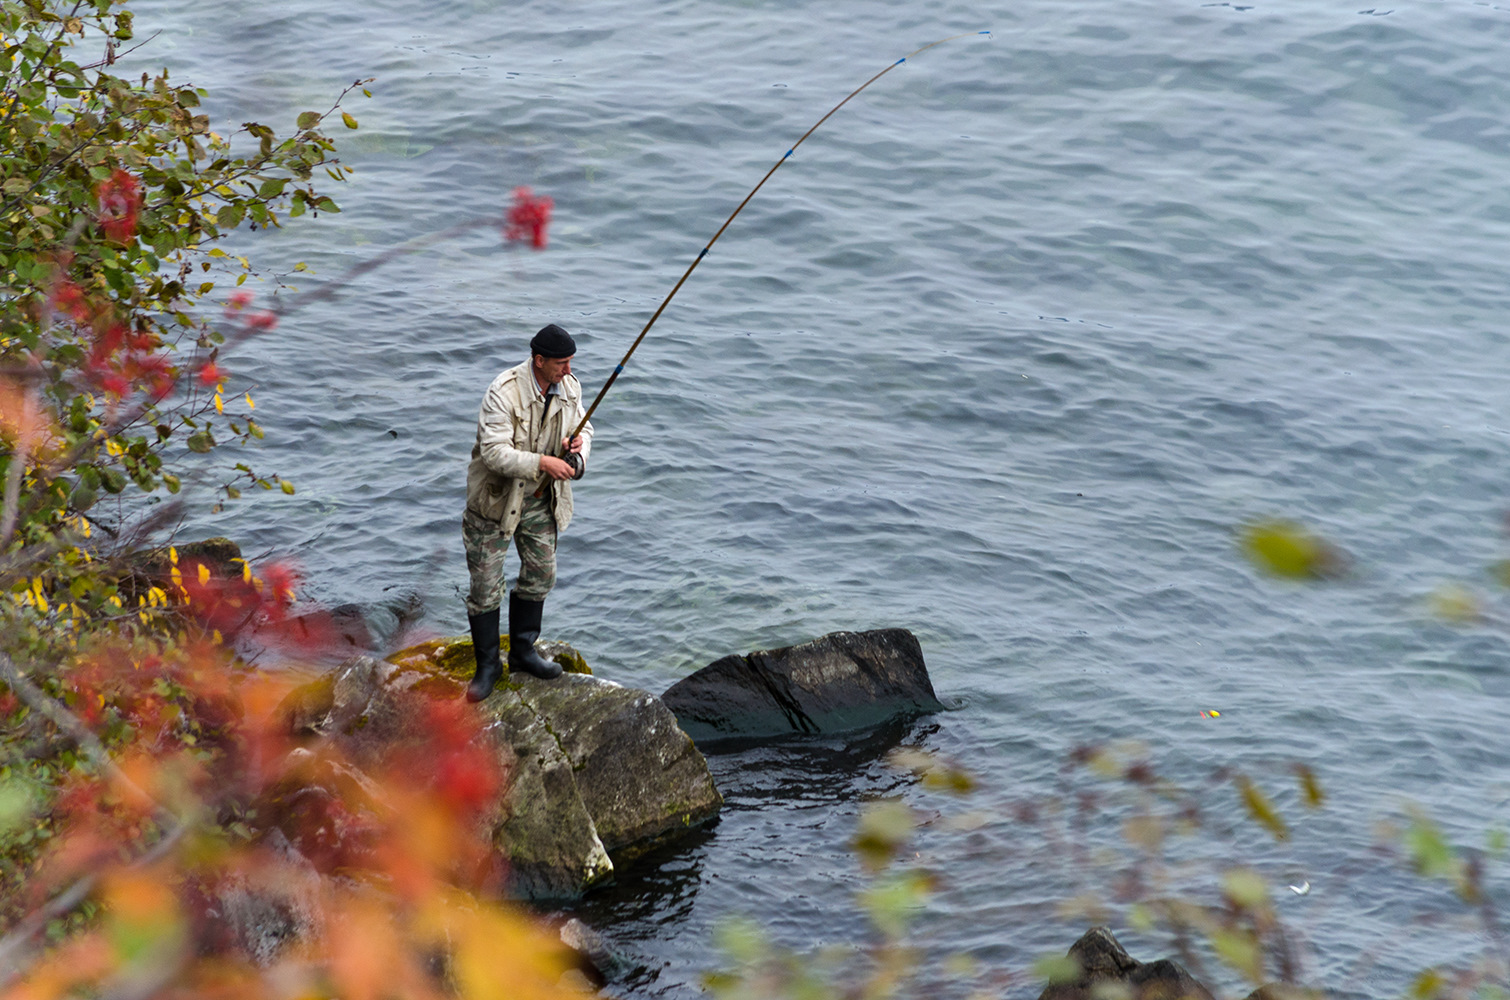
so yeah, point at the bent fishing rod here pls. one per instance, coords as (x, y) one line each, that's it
(619, 368)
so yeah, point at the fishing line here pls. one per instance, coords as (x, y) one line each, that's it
(619, 368)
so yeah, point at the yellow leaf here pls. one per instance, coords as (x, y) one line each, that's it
(173, 555)
(1286, 549)
(1144, 831)
(1310, 788)
(1240, 950)
(204, 574)
(1261, 809)
(1428, 984)
(249, 404)
(219, 402)
(1245, 887)
(1455, 603)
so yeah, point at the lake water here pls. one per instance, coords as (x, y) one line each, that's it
(1006, 354)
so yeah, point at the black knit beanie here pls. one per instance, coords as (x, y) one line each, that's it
(553, 342)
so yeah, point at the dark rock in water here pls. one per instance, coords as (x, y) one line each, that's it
(597, 959)
(1105, 964)
(841, 681)
(149, 568)
(221, 555)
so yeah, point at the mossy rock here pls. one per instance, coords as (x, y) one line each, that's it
(306, 706)
(453, 656)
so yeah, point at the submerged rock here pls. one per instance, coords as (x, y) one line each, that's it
(1106, 969)
(597, 773)
(841, 681)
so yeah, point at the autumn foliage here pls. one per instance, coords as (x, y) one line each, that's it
(165, 830)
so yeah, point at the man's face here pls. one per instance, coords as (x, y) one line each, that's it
(552, 370)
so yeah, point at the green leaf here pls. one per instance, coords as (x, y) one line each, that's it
(83, 498)
(1501, 572)
(885, 827)
(172, 483)
(350, 121)
(17, 805)
(308, 120)
(1057, 969)
(1245, 888)
(287, 487)
(892, 902)
(1430, 853)
(1241, 950)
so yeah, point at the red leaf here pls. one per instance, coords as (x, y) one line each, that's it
(528, 217)
(120, 201)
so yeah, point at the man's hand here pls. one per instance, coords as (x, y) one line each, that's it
(573, 449)
(556, 468)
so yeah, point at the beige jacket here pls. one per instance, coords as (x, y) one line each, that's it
(511, 437)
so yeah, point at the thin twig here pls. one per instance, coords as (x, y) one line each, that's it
(65, 902)
(56, 713)
(25, 431)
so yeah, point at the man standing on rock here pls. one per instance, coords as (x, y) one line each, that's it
(518, 487)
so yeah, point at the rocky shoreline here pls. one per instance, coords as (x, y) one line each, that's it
(600, 774)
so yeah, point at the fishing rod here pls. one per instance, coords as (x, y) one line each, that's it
(619, 368)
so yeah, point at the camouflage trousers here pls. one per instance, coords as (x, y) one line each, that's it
(486, 545)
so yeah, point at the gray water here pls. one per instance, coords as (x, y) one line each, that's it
(1006, 354)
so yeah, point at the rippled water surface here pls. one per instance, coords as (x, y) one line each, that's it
(1006, 354)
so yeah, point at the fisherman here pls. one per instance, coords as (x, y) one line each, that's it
(518, 487)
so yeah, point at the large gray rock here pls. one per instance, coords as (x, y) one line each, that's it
(597, 773)
(841, 681)
(1105, 963)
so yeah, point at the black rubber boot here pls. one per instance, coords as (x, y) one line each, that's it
(524, 629)
(485, 648)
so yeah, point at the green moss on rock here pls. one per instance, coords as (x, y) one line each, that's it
(454, 657)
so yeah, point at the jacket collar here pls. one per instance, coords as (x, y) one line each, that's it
(530, 389)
